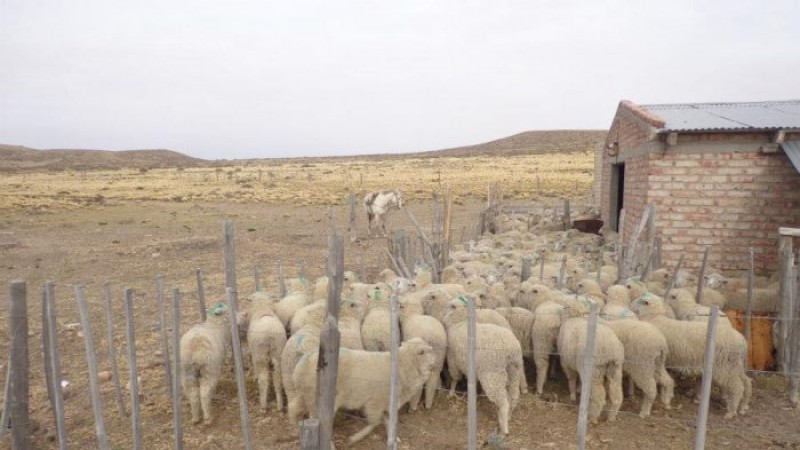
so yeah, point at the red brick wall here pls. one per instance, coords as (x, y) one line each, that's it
(721, 191)
(731, 201)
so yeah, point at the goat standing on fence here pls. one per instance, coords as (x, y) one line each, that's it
(378, 204)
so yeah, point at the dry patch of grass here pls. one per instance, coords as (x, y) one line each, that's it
(308, 183)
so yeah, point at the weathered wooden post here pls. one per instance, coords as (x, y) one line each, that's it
(705, 392)
(328, 362)
(786, 298)
(177, 423)
(567, 218)
(525, 272)
(136, 422)
(633, 244)
(748, 318)
(586, 376)
(257, 277)
(162, 325)
(701, 276)
(391, 432)
(91, 359)
(472, 383)
(232, 293)
(201, 295)
(17, 401)
(562, 272)
(112, 349)
(674, 276)
(54, 364)
(352, 227)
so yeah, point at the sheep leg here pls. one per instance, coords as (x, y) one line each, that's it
(631, 388)
(191, 391)
(277, 384)
(374, 418)
(455, 376)
(431, 386)
(572, 379)
(542, 364)
(514, 372)
(598, 396)
(614, 377)
(494, 385)
(262, 377)
(744, 405)
(732, 390)
(413, 403)
(667, 386)
(207, 388)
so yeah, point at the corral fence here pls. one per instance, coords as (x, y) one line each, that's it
(316, 433)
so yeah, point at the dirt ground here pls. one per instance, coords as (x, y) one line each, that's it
(130, 244)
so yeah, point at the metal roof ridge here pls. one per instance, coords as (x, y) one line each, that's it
(701, 105)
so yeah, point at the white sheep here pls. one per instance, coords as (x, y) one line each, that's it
(297, 296)
(414, 324)
(498, 357)
(683, 304)
(351, 314)
(686, 341)
(203, 352)
(544, 333)
(363, 382)
(521, 321)
(645, 356)
(609, 357)
(616, 307)
(375, 328)
(266, 338)
(303, 341)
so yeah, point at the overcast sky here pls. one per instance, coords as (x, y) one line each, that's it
(263, 78)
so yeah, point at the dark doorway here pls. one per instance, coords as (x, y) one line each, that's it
(617, 194)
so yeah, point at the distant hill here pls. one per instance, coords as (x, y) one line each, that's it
(15, 158)
(530, 142)
(18, 158)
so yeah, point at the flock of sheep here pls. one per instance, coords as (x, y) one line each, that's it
(640, 335)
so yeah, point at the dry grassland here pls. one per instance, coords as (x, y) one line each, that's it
(315, 182)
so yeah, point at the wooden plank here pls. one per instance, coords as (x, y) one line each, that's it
(793, 232)
(705, 391)
(162, 325)
(112, 350)
(586, 376)
(91, 359)
(701, 276)
(18, 397)
(391, 432)
(130, 337)
(328, 360)
(177, 423)
(472, 381)
(674, 276)
(201, 295)
(55, 364)
(241, 388)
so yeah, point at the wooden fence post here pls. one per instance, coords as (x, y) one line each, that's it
(562, 272)
(257, 277)
(633, 244)
(391, 432)
(162, 324)
(705, 392)
(55, 364)
(177, 423)
(309, 434)
(328, 361)
(48, 373)
(749, 309)
(650, 250)
(18, 399)
(281, 280)
(201, 295)
(5, 425)
(674, 276)
(352, 227)
(472, 383)
(112, 349)
(567, 218)
(130, 336)
(91, 359)
(525, 272)
(701, 282)
(241, 388)
(786, 310)
(586, 376)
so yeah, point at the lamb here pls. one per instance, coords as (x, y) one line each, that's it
(682, 303)
(366, 390)
(296, 298)
(414, 324)
(498, 357)
(544, 332)
(375, 329)
(303, 341)
(266, 338)
(351, 315)
(617, 306)
(608, 359)
(645, 355)
(203, 352)
(686, 342)
(591, 289)
(521, 321)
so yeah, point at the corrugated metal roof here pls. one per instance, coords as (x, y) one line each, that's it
(728, 116)
(792, 150)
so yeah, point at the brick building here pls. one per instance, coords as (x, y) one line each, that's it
(719, 174)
